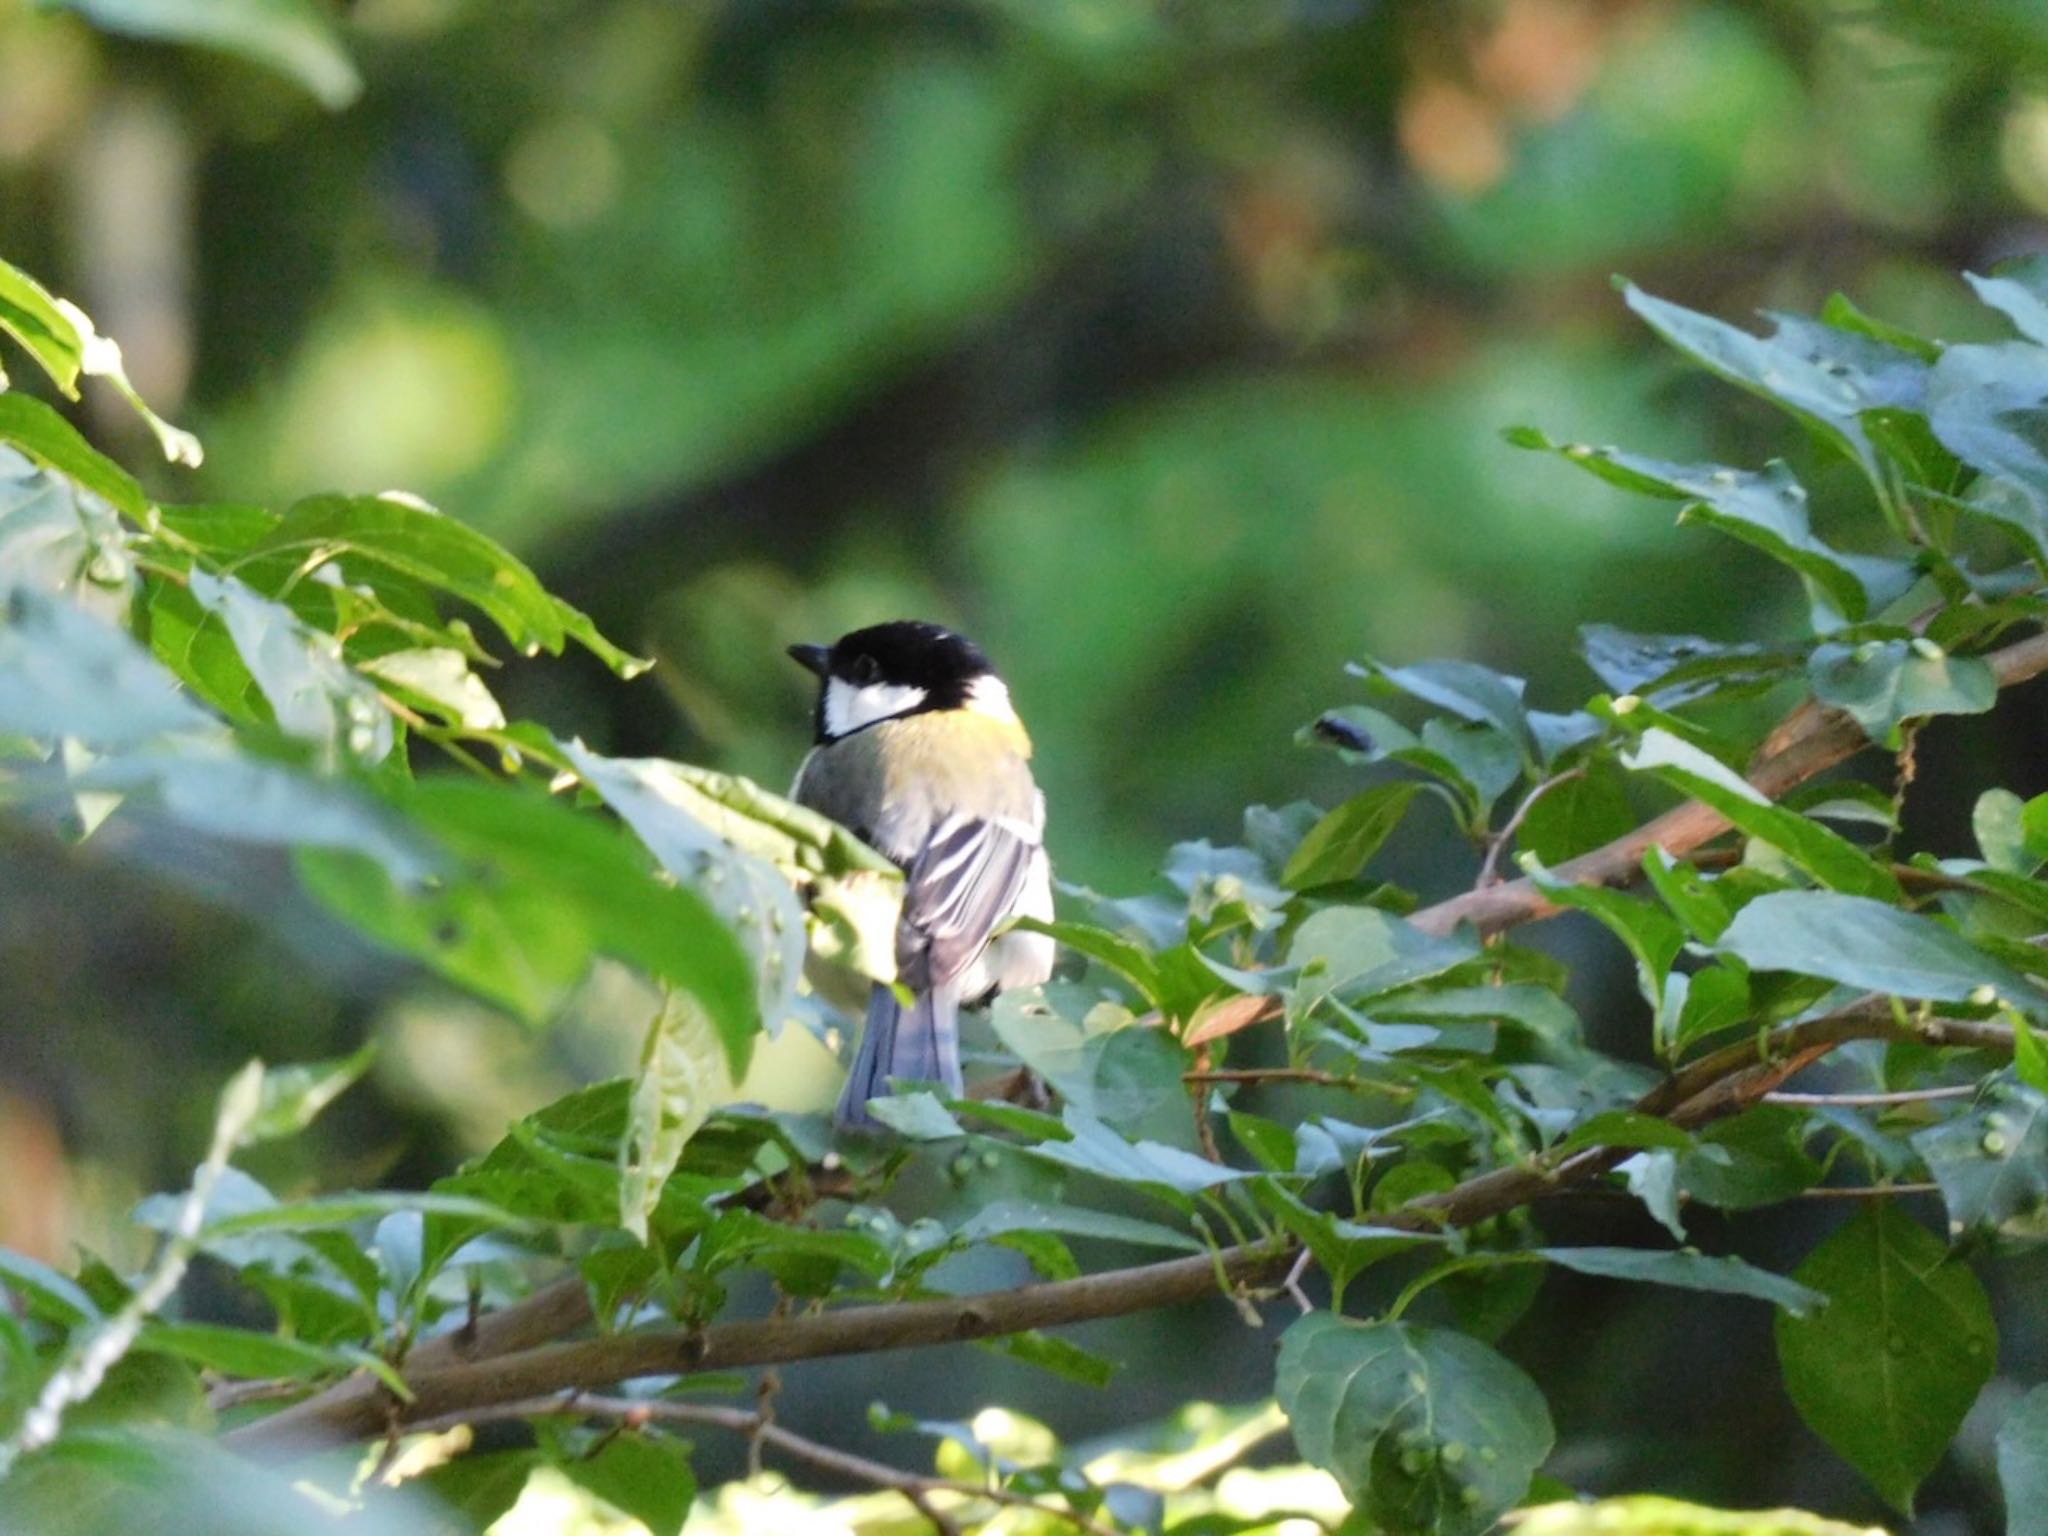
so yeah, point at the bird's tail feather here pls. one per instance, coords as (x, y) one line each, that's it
(918, 1044)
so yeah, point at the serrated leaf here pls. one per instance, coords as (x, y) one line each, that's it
(1885, 1372)
(1338, 846)
(1862, 943)
(1427, 1431)
(1826, 855)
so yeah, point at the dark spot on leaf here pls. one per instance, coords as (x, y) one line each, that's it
(1337, 729)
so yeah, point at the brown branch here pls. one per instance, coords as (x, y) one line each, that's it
(1722, 1083)
(503, 1357)
(1489, 868)
(1808, 742)
(762, 1429)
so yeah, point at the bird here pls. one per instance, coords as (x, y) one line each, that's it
(918, 751)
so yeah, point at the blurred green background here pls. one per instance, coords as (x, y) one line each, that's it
(1163, 345)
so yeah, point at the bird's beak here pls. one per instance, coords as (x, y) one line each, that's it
(812, 658)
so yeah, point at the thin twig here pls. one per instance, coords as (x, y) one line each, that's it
(1489, 869)
(1806, 743)
(1723, 1083)
(759, 1428)
(1867, 1191)
(1872, 1100)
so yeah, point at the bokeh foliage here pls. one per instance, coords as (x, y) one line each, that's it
(1165, 349)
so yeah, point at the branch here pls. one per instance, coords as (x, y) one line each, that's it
(1808, 742)
(1722, 1083)
(503, 1357)
(632, 1412)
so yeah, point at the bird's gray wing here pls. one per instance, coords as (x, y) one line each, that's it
(963, 884)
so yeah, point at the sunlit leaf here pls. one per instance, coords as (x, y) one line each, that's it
(296, 38)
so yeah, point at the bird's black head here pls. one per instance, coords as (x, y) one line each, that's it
(890, 670)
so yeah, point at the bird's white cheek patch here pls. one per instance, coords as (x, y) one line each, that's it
(989, 696)
(848, 708)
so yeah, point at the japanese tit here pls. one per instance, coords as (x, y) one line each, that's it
(918, 752)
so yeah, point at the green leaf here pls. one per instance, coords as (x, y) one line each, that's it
(1061, 1357)
(1984, 405)
(682, 1078)
(61, 337)
(243, 1352)
(65, 673)
(1689, 894)
(1671, 669)
(325, 1211)
(1428, 1432)
(1886, 1371)
(312, 692)
(1862, 943)
(1649, 932)
(1095, 1148)
(1117, 1074)
(1765, 509)
(754, 898)
(1825, 377)
(295, 38)
(54, 443)
(293, 1096)
(32, 315)
(439, 680)
(1578, 815)
(405, 535)
(2023, 1465)
(1688, 1271)
(1882, 683)
(2019, 290)
(1828, 856)
(1003, 1218)
(1360, 953)
(1992, 1160)
(644, 1476)
(47, 1294)
(541, 889)
(1128, 958)
(479, 1486)
(1999, 821)
(1471, 692)
(1337, 847)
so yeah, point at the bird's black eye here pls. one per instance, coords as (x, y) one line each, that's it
(864, 671)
